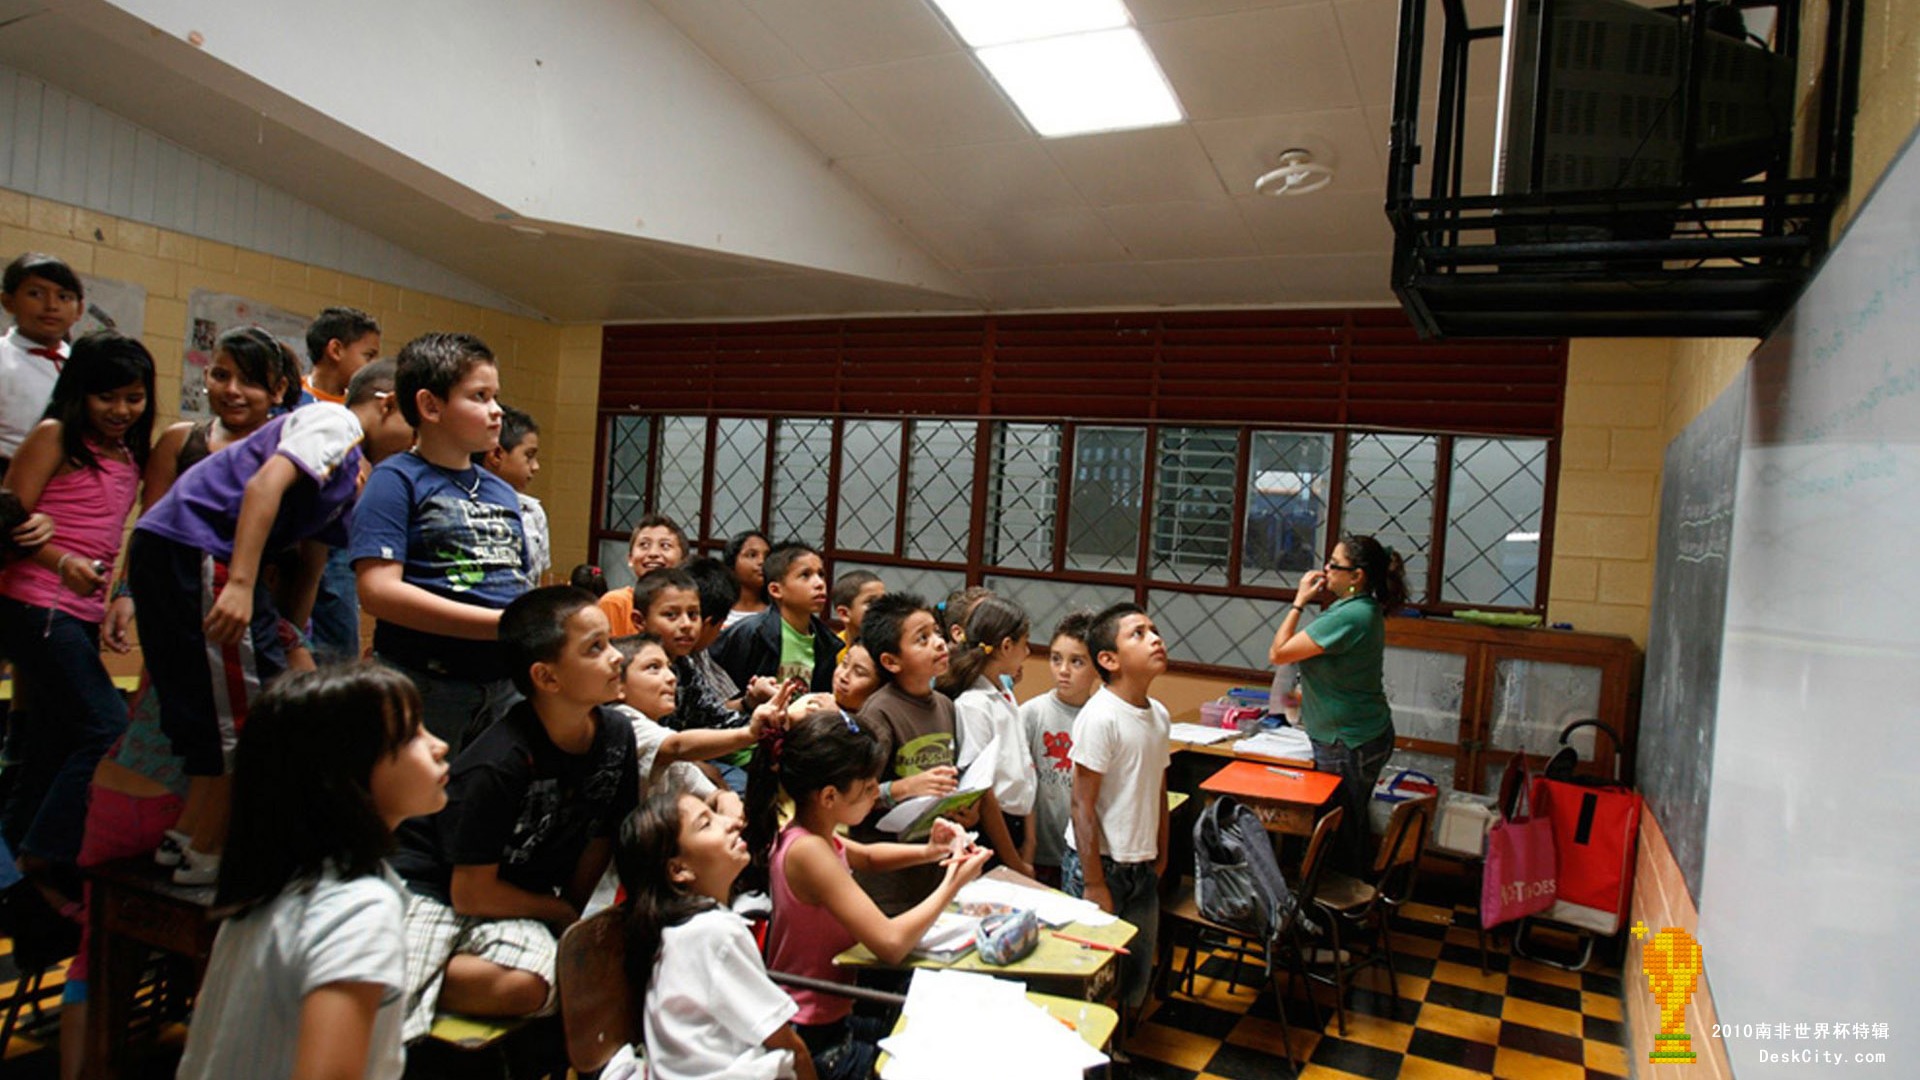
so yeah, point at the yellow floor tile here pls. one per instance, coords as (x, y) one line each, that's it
(1511, 1064)
(1266, 1036)
(1462, 975)
(1411, 945)
(1604, 1006)
(1172, 1046)
(1419, 1068)
(1460, 1024)
(1322, 1072)
(1544, 1017)
(1427, 913)
(1606, 1058)
(1373, 1031)
(1541, 973)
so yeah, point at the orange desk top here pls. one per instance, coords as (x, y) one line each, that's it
(1251, 779)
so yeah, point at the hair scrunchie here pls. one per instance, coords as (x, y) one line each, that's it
(986, 650)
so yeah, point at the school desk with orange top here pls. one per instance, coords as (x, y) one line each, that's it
(1286, 799)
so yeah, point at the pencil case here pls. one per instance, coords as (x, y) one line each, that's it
(1003, 939)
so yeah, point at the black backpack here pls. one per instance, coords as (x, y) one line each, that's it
(1236, 880)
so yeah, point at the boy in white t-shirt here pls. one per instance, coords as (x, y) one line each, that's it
(1117, 842)
(1048, 721)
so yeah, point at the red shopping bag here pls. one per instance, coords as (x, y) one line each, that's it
(1595, 830)
(1520, 878)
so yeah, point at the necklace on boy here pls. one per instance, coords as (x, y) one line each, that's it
(453, 476)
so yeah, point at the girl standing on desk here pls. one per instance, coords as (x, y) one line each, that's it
(1343, 703)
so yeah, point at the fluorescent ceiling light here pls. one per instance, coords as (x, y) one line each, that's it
(1083, 83)
(1522, 538)
(998, 22)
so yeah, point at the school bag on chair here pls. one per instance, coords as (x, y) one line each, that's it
(1236, 880)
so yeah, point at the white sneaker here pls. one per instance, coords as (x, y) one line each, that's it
(196, 868)
(172, 843)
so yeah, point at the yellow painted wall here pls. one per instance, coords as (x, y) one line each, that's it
(550, 371)
(1603, 535)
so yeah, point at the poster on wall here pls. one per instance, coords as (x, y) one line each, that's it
(112, 305)
(210, 314)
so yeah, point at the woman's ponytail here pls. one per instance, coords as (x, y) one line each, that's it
(1386, 574)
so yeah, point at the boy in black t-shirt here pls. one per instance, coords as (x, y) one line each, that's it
(533, 804)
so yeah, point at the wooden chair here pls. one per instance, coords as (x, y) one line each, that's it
(1365, 907)
(1182, 913)
(596, 1005)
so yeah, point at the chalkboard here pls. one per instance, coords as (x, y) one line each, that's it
(1810, 886)
(1675, 766)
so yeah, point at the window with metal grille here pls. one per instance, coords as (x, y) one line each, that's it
(1193, 522)
(1103, 504)
(1197, 464)
(629, 448)
(802, 458)
(1389, 496)
(1024, 494)
(939, 489)
(869, 485)
(1496, 498)
(1289, 477)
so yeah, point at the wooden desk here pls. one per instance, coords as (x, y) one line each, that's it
(1284, 804)
(1093, 1022)
(1054, 965)
(1225, 750)
(136, 906)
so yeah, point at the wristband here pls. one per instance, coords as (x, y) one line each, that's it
(1298, 608)
(886, 794)
(122, 590)
(60, 564)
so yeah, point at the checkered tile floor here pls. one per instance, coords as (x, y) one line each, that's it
(1523, 1020)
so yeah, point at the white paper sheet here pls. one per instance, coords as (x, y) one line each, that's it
(1050, 907)
(1291, 743)
(1203, 734)
(947, 1011)
(978, 777)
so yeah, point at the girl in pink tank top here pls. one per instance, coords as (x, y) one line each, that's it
(829, 765)
(80, 466)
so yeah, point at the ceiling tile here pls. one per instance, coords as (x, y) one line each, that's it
(897, 187)
(1114, 285)
(1334, 279)
(1195, 230)
(821, 117)
(1265, 61)
(1159, 11)
(1001, 178)
(1324, 222)
(1370, 30)
(1476, 173)
(1344, 139)
(1164, 164)
(1216, 281)
(1067, 236)
(741, 44)
(834, 34)
(962, 242)
(930, 102)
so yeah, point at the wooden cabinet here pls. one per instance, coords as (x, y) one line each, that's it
(1465, 697)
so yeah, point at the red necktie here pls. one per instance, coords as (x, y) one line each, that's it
(51, 354)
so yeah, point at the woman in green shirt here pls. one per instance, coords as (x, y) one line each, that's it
(1343, 705)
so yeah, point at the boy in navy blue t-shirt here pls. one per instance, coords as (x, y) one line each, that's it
(438, 547)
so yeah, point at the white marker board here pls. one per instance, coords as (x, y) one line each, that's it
(1812, 875)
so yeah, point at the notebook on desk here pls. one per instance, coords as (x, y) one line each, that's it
(1252, 780)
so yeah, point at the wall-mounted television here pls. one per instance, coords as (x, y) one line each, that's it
(1612, 96)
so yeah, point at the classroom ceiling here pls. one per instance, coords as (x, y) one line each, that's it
(1166, 215)
(888, 98)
